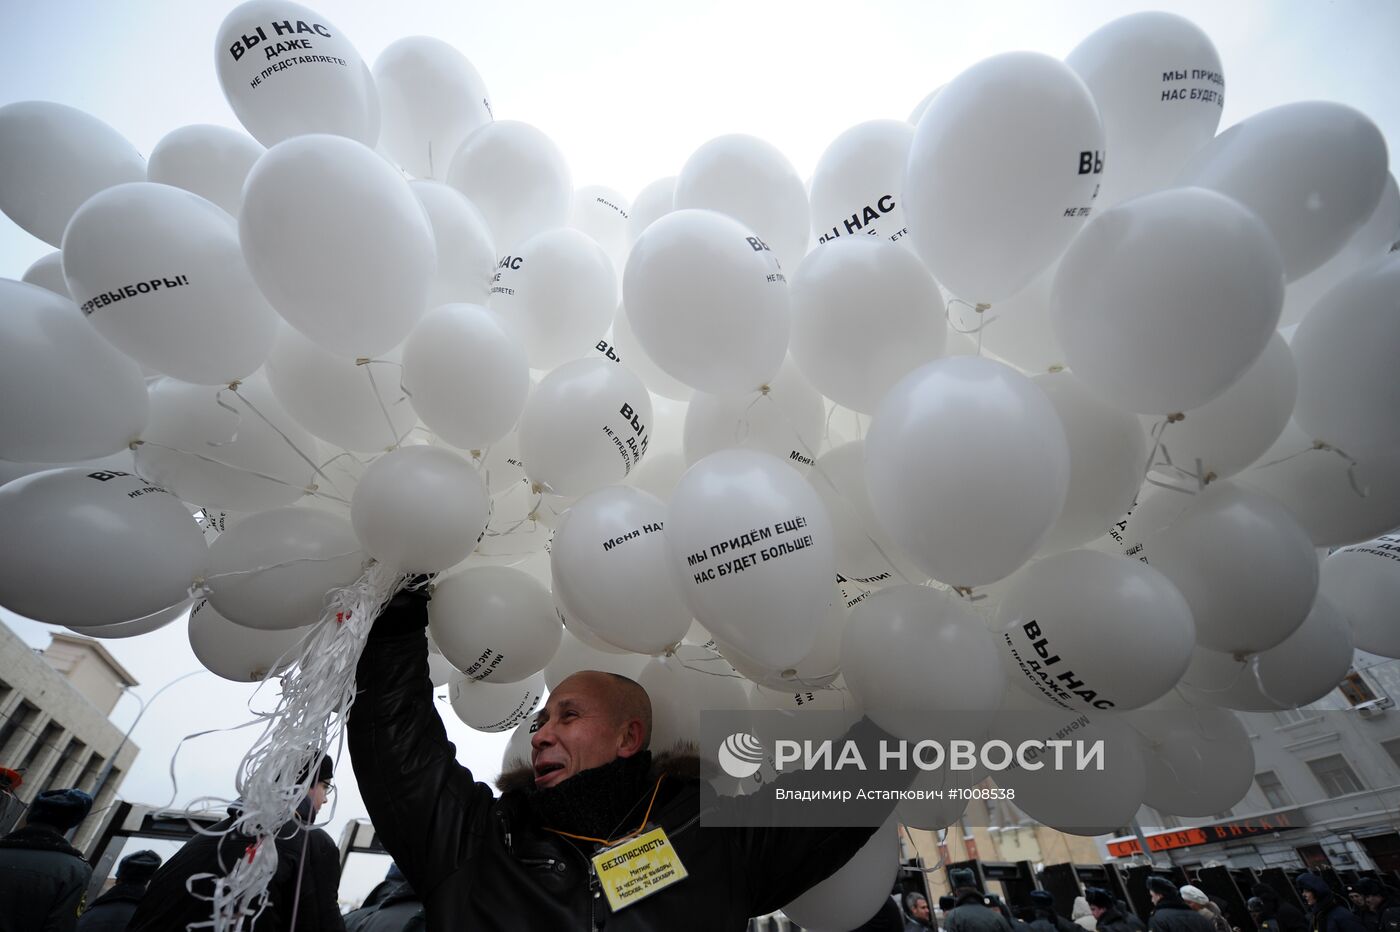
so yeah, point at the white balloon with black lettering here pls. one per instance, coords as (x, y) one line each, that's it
(865, 553)
(857, 186)
(211, 161)
(494, 623)
(1363, 583)
(286, 70)
(494, 707)
(601, 213)
(160, 274)
(784, 418)
(466, 249)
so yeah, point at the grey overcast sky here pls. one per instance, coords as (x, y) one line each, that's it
(627, 89)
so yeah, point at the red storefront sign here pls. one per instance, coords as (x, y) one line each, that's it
(1207, 834)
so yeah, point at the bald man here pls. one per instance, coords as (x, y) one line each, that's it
(546, 853)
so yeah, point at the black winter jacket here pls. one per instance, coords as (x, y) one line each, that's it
(480, 862)
(1114, 921)
(169, 907)
(972, 915)
(112, 911)
(400, 910)
(1173, 915)
(42, 881)
(1330, 914)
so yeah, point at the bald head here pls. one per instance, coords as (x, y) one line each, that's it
(591, 719)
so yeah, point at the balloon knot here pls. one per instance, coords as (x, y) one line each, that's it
(362, 360)
(312, 489)
(1175, 418)
(1321, 445)
(538, 489)
(135, 443)
(789, 674)
(982, 307)
(475, 454)
(964, 591)
(1209, 477)
(233, 386)
(764, 389)
(1056, 368)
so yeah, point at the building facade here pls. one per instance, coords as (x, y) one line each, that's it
(54, 729)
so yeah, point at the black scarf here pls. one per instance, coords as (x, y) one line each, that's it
(39, 838)
(597, 802)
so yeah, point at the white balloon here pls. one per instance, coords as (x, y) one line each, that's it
(751, 550)
(707, 301)
(1225, 681)
(935, 812)
(277, 91)
(466, 375)
(241, 654)
(967, 468)
(558, 290)
(784, 418)
(421, 509)
(1233, 429)
(1323, 488)
(585, 426)
(138, 626)
(1145, 282)
(273, 570)
(494, 707)
(574, 655)
(601, 213)
(1368, 245)
(610, 567)
(230, 451)
(911, 651)
(47, 272)
(211, 161)
(440, 670)
(864, 551)
(431, 100)
(857, 185)
(514, 532)
(917, 114)
(1345, 349)
(65, 393)
(1199, 761)
(121, 461)
(852, 895)
(1002, 169)
(84, 548)
(751, 181)
(1244, 564)
(865, 314)
(1017, 329)
(338, 243)
(1085, 630)
(683, 685)
(334, 398)
(629, 349)
(519, 751)
(1152, 123)
(465, 248)
(494, 623)
(1107, 456)
(652, 203)
(54, 158)
(500, 464)
(659, 475)
(1311, 661)
(1363, 583)
(160, 274)
(1313, 172)
(517, 178)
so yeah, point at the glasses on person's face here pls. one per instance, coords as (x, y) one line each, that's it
(328, 787)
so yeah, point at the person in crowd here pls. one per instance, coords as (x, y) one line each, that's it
(920, 917)
(1082, 915)
(392, 906)
(112, 911)
(1196, 898)
(1382, 905)
(43, 879)
(1170, 913)
(1046, 919)
(970, 913)
(1290, 917)
(1110, 916)
(886, 919)
(1257, 913)
(1327, 912)
(1356, 900)
(542, 855)
(301, 897)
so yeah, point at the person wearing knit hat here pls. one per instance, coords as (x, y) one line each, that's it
(112, 911)
(1290, 917)
(1108, 916)
(1046, 919)
(43, 878)
(1196, 898)
(1328, 911)
(1170, 912)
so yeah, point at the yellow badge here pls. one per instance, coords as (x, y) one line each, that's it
(638, 867)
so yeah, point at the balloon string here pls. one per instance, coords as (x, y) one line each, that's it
(978, 309)
(309, 489)
(274, 566)
(919, 857)
(365, 361)
(1327, 448)
(1158, 435)
(233, 387)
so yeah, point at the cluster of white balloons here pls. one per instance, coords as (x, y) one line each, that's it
(1051, 370)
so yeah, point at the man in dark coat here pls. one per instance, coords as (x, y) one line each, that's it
(1046, 919)
(43, 878)
(1382, 906)
(397, 909)
(112, 911)
(1290, 918)
(1108, 915)
(530, 858)
(1170, 913)
(1327, 911)
(972, 914)
(305, 884)
(1262, 922)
